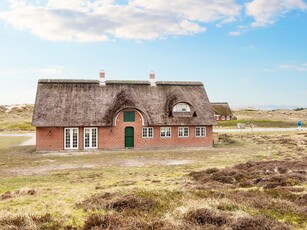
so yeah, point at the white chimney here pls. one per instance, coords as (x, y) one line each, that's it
(152, 78)
(102, 78)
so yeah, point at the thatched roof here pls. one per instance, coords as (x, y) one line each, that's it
(221, 108)
(63, 103)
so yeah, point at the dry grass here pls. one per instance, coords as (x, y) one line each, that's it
(254, 182)
(16, 118)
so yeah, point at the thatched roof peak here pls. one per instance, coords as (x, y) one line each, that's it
(120, 82)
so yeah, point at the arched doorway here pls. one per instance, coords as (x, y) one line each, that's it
(129, 137)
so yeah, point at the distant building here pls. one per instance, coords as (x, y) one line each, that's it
(222, 111)
(100, 114)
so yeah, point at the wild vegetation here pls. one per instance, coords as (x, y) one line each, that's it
(16, 118)
(258, 181)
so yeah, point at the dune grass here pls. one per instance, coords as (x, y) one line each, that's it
(150, 189)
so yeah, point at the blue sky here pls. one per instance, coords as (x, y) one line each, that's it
(249, 53)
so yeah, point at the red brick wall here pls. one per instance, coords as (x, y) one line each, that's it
(49, 139)
(114, 137)
(52, 139)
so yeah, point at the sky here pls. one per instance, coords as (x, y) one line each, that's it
(246, 52)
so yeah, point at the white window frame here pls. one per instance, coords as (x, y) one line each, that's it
(147, 132)
(183, 132)
(182, 108)
(71, 138)
(90, 140)
(201, 135)
(170, 132)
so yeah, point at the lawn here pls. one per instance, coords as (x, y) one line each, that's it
(165, 189)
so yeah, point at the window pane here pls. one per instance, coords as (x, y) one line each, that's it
(86, 138)
(144, 132)
(129, 116)
(94, 136)
(67, 134)
(75, 138)
(150, 132)
(168, 132)
(186, 132)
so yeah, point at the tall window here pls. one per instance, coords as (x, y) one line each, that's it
(147, 132)
(90, 138)
(71, 138)
(181, 107)
(200, 131)
(129, 116)
(165, 132)
(183, 132)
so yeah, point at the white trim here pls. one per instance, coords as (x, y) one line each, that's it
(90, 140)
(71, 138)
(183, 132)
(170, 128)
(204, 127)
(147, 132)
(114, 121)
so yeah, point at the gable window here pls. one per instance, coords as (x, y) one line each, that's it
(129, 116)
(183, 132)
(165, 132)
(147, 132)
(71, 138)
(200, 131)
(181, 107)
(90, 138)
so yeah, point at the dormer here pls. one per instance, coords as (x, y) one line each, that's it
(183, 109)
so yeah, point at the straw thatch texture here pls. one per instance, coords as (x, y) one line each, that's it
(221, 108)
(63, 103)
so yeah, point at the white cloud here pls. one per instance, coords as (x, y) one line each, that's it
(302, 67)
(266, 12)
(101, 20)
(234, 33)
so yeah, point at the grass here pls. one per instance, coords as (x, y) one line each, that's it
(59, 182)
(20, 126)
(259, 123)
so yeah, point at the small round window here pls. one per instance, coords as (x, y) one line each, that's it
(181, 107)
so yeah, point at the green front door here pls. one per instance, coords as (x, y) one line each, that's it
(129, 137)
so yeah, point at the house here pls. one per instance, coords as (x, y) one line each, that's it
(222, 111)
(100, 114)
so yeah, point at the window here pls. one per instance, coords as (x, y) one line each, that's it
(183, 132)
(200, 131)
(181, 107)
(90, 138)
(165, 132)
(71, 138)
(223, 118)
(129, 116)
(147, 132)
